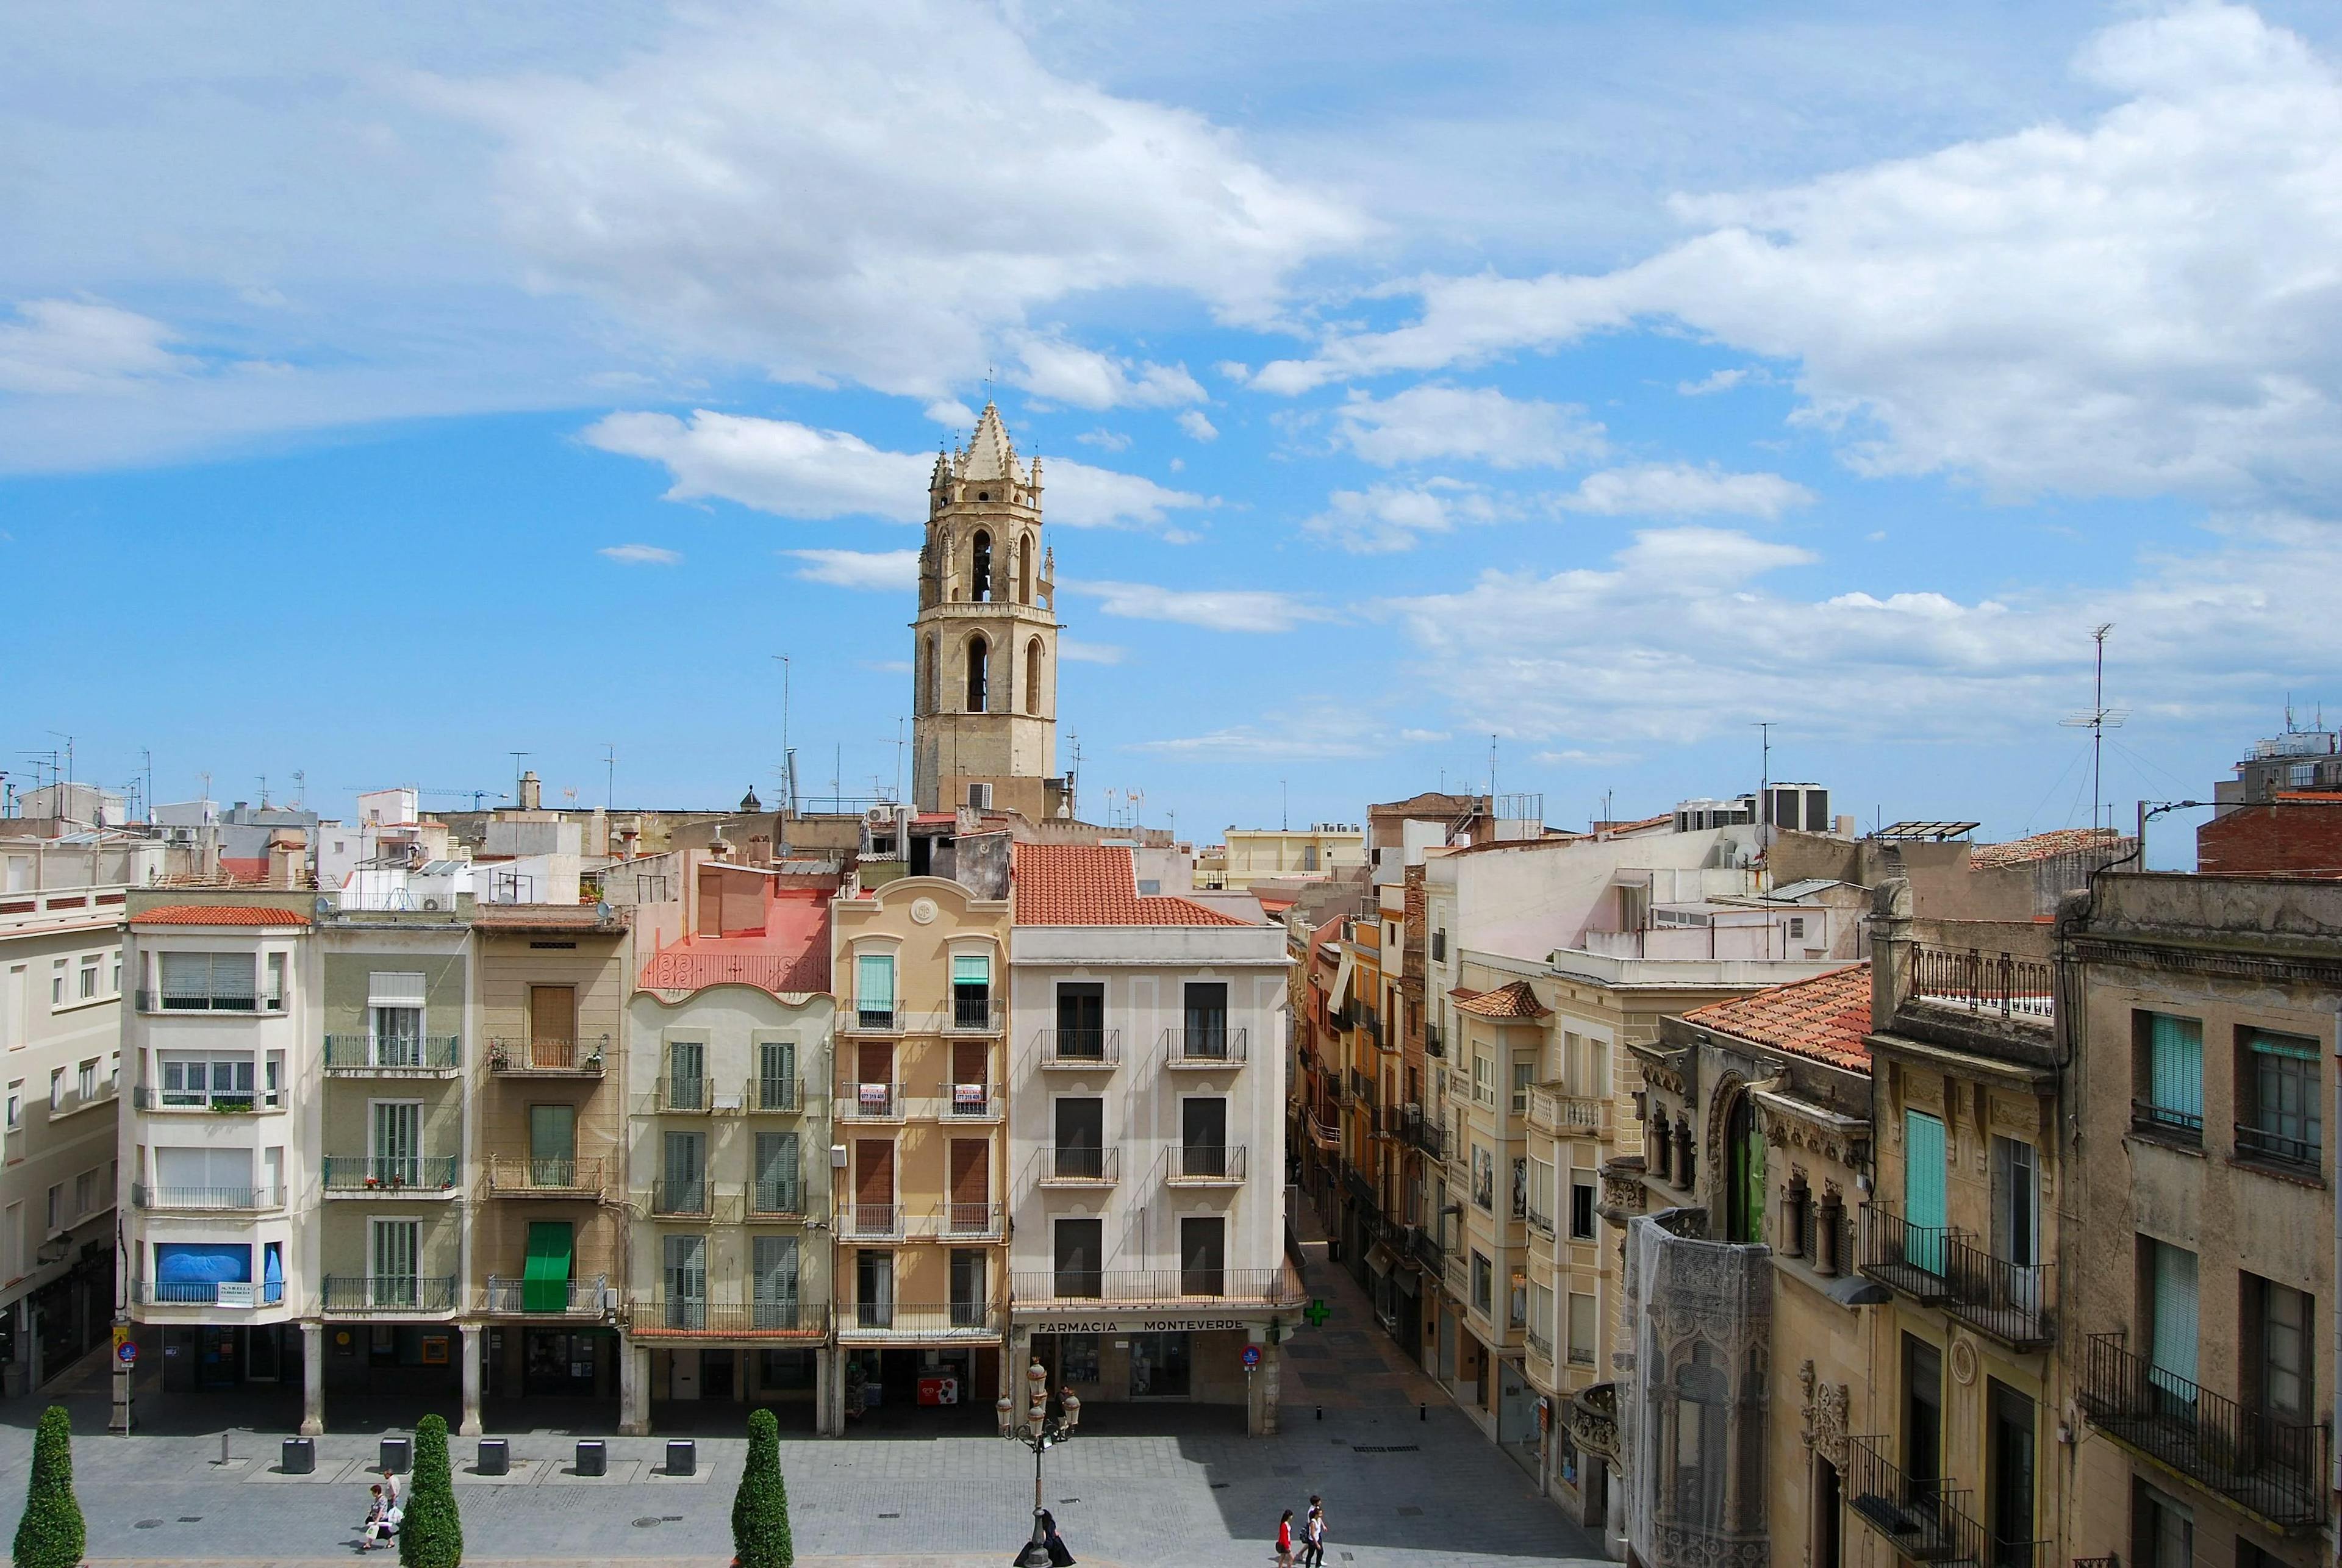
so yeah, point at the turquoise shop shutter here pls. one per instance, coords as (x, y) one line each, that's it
(1923, 1207)
(2171, 1344)
(2174, 1080)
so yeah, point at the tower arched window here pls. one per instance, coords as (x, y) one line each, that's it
(980, 554)
(979, 654)
(930, 681)
(1743, 1197)
(1033, 677)
(1024, 573)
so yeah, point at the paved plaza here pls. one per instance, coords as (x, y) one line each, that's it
(1406, 1479)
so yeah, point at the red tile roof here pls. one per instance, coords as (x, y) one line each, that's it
(544, 917)
(1514, 1001)
(2042, 846)
(1096, 884)
(219, 915)
(1826, 1017)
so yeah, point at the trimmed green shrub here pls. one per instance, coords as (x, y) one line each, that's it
(431, 1534)
(760, 1509)
(51, 1535)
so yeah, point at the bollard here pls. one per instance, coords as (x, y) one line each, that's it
(300, 1456)
(1321, 1413)
(496, 1457)
(399, 1454)
(1422, 1412)
(223, 1448)
(593, 1458)
(682, 1457)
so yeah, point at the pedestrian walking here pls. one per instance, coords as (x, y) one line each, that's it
(1313, 1535)
(1285, 1541)
(389, 1488)
(375, 1532)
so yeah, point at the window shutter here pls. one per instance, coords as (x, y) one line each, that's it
(394, 990)
(1923, 1170)
(874, 983)
(971, 969)
(2172, 1345)
(2176, 1065)
(232, 975)
(187, 973)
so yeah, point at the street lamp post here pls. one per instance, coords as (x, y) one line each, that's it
(1042, 1430)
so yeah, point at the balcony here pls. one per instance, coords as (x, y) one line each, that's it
(354, 1294)
(2013, 990)
(243, 1102)
(968, 1222)
(671, 1317)
(1540, 1344)
(207, 1200)
(389, 1175)
(365, 1056)
(885, 1019)
(1561, 1115)
(206, 1001)
(871, 1222)
(2272, 1468)
(2261, 1146)
(1423, 1131)
(2169, 1123)
(675, 1096)
(507, 1295)
(1592, 1416)
(1205, 1050)
(1080, 1050)
(1078, 1289)
(694, 1200)
(777, 1200)
(1925, 1521)
(1427, 1252)
(2013, 1303)
(873, 1101)
(876, 1322)
(970, 1015)
(775, 1096)
(524, 1056)
(518, 1176)
(1079, 1167)
(234, 1294)
(1204, 1165)
(971, 1103)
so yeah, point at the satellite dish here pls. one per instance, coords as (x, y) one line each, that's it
(324, 906)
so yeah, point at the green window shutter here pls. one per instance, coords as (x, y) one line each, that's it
(1924, 1205)
(2175, 1079)
(971, 969)
(874, 983)
(2171, 1349)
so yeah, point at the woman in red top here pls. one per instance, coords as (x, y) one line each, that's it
(1285, 1541)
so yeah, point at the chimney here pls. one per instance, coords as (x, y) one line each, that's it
(1890, 950)
(531, 790)
(288, 858)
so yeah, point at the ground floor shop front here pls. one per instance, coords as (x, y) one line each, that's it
(54, 1325)
(1139, 1358)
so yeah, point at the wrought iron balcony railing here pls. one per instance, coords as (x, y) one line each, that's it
(361, 1056)
(1207, 1164)
(509, 1297)
(2021, 990)
(1080, 1164)
(523, 1055)
(2275, 1468)
(1078, 1049)
(1206, 1048)
(971, 1102)
(211, 1198)
(2274, 1148)
(1915, 1260)
(667, 1316)
(872, 1222)
(779, 1097)
(774, 1198)
(519, 1175)
(1927, 1520)
(873, 1101)
(1940, 1266)
(389, 1294)
(959, 1319)
(389, 1174)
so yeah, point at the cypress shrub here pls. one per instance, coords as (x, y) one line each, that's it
(760, 1509)
(431, 1534)
(51, 1535)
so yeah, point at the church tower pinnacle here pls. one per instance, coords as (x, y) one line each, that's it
(984, 682)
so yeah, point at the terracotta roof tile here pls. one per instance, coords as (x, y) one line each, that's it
(1826, 1017)
(219, 915)
(2042, 846)
(1514, 1001)
(544, 917)
(1096, 884)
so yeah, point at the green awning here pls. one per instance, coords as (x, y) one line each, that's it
(545, 1284)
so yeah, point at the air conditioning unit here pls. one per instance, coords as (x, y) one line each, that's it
(432, 904)
(837, 1156)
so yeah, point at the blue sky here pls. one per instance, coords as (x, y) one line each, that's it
(383, 394)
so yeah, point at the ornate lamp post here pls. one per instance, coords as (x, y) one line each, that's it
(1042, 1430)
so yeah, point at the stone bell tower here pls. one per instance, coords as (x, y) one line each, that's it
(984, 682)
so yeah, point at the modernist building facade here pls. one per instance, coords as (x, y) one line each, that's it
(1146, 1104)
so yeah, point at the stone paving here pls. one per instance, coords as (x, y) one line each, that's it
(1406, 1479)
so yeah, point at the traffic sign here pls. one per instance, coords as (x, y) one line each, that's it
(1251, 1356)
(126, 1352)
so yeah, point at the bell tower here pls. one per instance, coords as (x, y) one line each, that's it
(984, 681)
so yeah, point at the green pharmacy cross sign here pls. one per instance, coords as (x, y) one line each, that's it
(1317, 1311)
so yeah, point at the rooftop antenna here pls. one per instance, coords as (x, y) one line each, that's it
(898, 759)
(263, 792)
(1492, 772)
(300, 787)
(148, 758)
(1284, 812)
(790, 781)
(2100, 720)
(517, 757)
(1764, 774)
(609, 776)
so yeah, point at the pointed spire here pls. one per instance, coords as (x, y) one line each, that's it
(989, 454)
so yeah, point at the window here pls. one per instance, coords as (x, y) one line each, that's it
(56, 1207)
(874, 990)
(2009, 1463)
(393, 1262)
(88, 978)
(1517, 1302)
(686, 1281)
(1203, 1255)
(88, 1084)
(2301, 775)
(1205, 1016)
(115, 989)
(394, 1142)
(1581, 1329)
(777, 1189)
(1524, 1075)
(980, 565)
(552, 1145)
(773, 1281)
(1484, 1179)
(1541, 1179)
(220, 1082)
(85, 1193)
(2279, 1349)
(2171, 1320)
(1923, 1410)
(1743, 1199)
(970, 1305)
(57, 983)
(1924, 1205)
(208, 982)
(1079, 1152)
(686, 1074)
(1484, 1285)
(683, 1188)
(979, 659)
(2016, 1203)
(275, 994)
(1081, 1019)
(2162, 1531)
(15, 1105)
(1080, 1244)
(1484, 1079)
(1797, 928)
(1581, 1206)
(2284, 1120)
(56, 1088)
(114, 1070)
(1033, 675)
(971, 990)
(1541, 1320)
(2171, 1074)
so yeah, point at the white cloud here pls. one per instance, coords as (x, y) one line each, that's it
(793, 470)
(885, 571)
(1680, 490)
(1213, 609)
(1105, 440)
(888, 667)
(951, 413)
(876, 192)
(1198, 427)
(1067, 373)
(640, 555)
(68, 346)
(1481, 423)
(2139, 304)
(1075, 651)
(1383, 518)
(1723, 380)
(1255, 743)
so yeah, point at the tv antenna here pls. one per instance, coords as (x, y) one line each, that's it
(2099, 720)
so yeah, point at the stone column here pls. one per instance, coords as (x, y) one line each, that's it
(633, 1388)
(1890, 950)
(470, 1427)
(313, 1379)
(1260, 1388)
(826, 1398)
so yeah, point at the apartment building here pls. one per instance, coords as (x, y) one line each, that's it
(220, 1147)
(391, 1157)
(728, 1068)
(1146, 1104)
(547, 1090)
(2199, 1325)
(60, 977)
(918, 1289)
